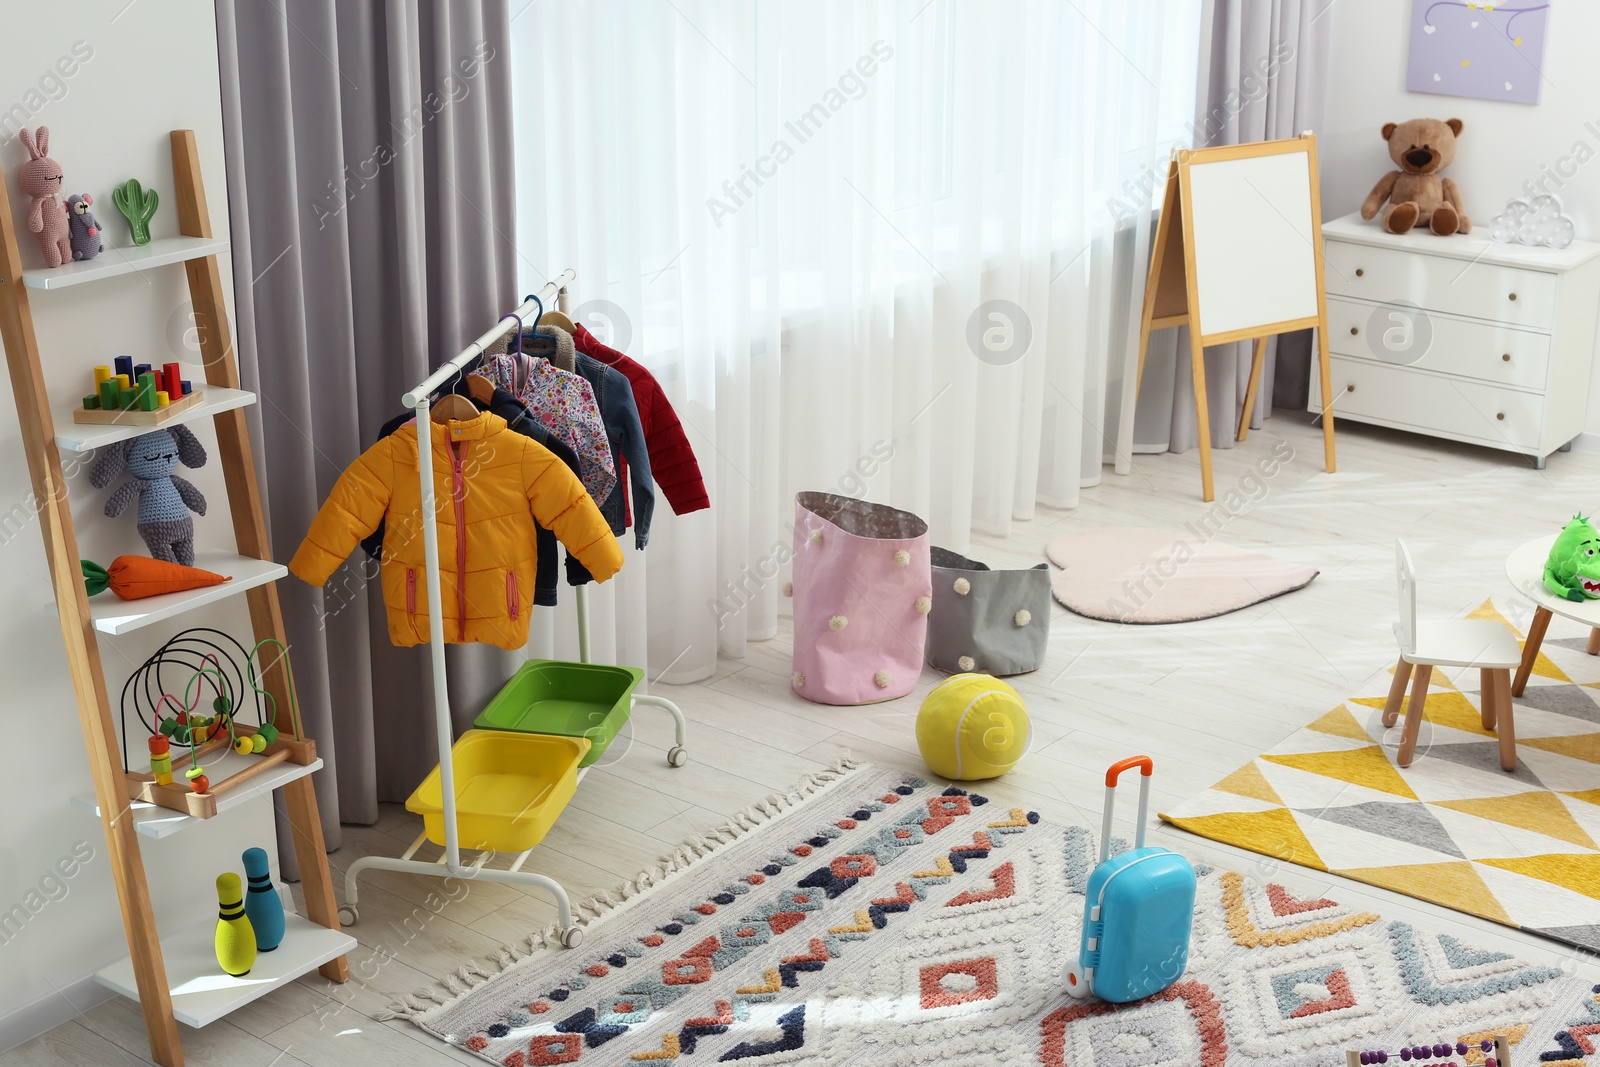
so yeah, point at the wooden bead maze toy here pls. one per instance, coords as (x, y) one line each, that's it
(196, 697)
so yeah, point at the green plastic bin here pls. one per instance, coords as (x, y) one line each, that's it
(548, 696)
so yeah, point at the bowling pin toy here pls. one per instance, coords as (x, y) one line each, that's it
(262, 905)
(236, 938)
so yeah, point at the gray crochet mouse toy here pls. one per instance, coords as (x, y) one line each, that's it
(165, 499)
(83, 229)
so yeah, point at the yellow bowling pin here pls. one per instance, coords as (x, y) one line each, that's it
(236, 938)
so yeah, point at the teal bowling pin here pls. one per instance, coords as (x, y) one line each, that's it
(236, 939)
(262, 905)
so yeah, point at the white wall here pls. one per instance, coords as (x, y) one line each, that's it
(1503, 147)
(151, 68)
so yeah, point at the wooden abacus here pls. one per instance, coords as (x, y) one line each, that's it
(1496, 1053)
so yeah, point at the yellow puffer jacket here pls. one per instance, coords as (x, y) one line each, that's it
(490, 485)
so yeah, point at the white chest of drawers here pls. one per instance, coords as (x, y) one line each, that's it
(1460, 337)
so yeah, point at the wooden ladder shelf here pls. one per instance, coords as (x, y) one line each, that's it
(112, 786)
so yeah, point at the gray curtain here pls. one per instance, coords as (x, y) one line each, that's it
(370, 199)
(1262, 76)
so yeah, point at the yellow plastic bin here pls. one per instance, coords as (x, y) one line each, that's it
(510, 788)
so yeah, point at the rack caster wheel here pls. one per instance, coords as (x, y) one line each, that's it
(1075, 981)
(572, 937)
(349, 915)
(677, 756)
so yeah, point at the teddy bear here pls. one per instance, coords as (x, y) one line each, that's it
(40, 178)
(84, 227)
(1418, 194)
(165, 500)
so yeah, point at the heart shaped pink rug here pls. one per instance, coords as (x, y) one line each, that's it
(1136, 575)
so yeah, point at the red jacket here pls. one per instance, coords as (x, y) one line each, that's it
(672, 461)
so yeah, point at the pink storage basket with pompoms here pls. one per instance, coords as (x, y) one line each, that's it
(862, 592)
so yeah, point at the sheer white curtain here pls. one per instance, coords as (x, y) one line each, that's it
(888, 249)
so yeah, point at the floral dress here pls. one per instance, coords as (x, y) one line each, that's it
(564, 403)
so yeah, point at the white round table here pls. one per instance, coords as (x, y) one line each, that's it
(1525, 570)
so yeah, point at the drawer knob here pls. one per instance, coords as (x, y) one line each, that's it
(1505, 357)
(1500, 415)
(1513, 296)
(1354, 331)
(1349, 388)
(1360, 272)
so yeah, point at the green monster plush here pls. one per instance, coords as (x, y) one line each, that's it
(1573, 569)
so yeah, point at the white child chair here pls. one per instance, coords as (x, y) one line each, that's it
(1480, 643)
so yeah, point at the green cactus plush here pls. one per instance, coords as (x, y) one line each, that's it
(1572, 570)
(138, 206)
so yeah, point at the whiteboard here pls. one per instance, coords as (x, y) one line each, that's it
(1254, 241)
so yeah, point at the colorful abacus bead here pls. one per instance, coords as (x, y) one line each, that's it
(241, 745)
(161, 759)
(258, 744)
(1461, 1048)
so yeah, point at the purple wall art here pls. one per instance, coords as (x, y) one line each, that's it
(1488, 51)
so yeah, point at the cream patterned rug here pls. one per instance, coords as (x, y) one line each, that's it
(1131, 574)
(871, 918)
(1518, 848)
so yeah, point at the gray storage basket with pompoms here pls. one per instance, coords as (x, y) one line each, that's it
(993, 622)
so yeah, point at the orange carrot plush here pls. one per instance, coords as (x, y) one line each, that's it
(132, 577)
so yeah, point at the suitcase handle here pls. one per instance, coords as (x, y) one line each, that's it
(1146, 768)
(1115, 772)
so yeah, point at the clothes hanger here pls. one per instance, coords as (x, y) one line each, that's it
(453, 407)
(481, 388)
(525, 359)
(557, 318)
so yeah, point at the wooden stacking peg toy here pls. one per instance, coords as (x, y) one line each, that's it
(262, 905)
(236, 938)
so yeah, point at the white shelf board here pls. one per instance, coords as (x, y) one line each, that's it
(84, 436)
(202, 993)
(113, 615)
(129, 260)
(154, 821)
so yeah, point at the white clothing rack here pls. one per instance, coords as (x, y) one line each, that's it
(553, 295)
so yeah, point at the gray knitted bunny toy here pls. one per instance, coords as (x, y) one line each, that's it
(165, 499)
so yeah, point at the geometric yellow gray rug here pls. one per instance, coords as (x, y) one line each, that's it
(1519, 848)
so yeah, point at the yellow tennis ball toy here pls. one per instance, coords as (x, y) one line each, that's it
(972, 726)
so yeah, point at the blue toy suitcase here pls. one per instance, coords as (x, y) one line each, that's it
(1137, 913)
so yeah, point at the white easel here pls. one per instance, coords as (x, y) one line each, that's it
(449, 864)
(1238, 257)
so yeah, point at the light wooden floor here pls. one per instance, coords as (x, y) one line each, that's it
(1202, 698)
